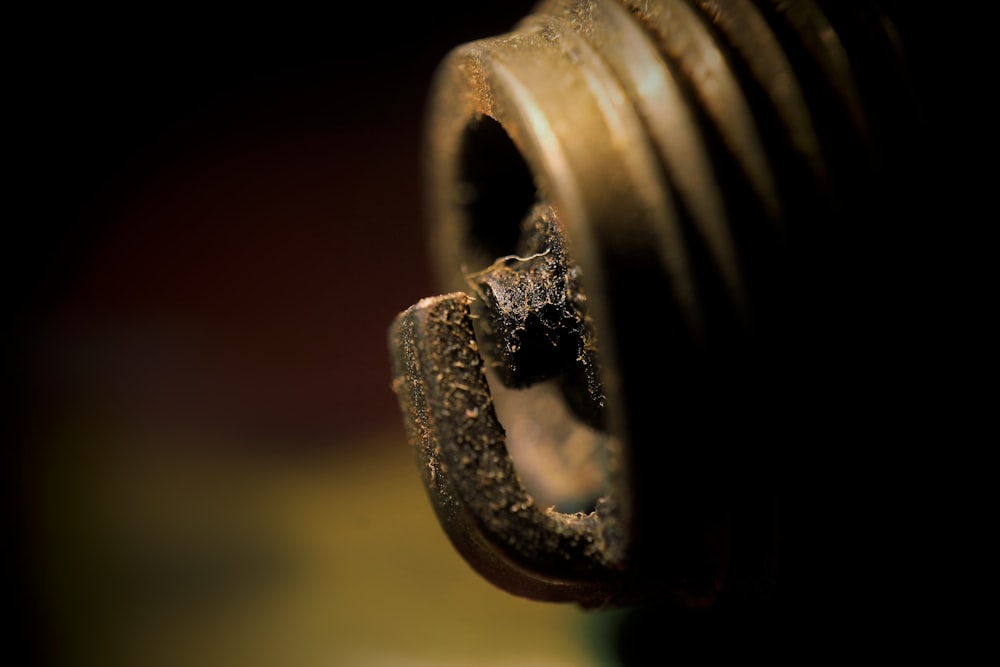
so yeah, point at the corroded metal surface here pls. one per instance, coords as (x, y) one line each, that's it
(654, 210)
(530, 550)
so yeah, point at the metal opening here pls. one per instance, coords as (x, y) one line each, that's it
(557, 457)
(497, 190)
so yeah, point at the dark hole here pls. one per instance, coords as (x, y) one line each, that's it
(498, 190)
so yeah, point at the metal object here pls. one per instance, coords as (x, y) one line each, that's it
(664, 212)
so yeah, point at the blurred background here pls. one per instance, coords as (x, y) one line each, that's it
(214, 218)
(221, 216)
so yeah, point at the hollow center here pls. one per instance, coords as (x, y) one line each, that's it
(560, 460)
(497, 190)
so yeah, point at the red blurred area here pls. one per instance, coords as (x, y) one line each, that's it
(252, 282)
(226, 212)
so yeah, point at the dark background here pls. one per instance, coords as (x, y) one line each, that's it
(249, 172)
(216, 216)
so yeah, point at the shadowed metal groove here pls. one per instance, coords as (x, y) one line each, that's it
(712, 170)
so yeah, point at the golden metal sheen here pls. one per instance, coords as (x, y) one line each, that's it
(710, 173)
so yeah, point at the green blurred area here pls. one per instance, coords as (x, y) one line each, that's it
(157, 554)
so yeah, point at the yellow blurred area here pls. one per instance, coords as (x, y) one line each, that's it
(196, 553)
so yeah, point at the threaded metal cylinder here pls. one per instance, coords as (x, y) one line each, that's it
(729, 177)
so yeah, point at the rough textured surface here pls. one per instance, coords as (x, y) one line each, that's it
(442, 389)
(532, 317)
